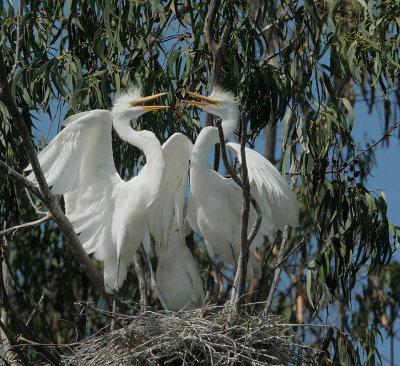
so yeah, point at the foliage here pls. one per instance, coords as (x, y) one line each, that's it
(296, 64)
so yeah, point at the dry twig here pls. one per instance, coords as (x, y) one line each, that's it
(189, 338)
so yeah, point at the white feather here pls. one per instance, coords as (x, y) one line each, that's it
(177, 274)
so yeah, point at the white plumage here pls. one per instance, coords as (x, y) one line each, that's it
(177, 151)
(214, 206)
(109, 214)
(177, 274)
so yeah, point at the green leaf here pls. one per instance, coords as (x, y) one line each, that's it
(349, 108)
(308, 286)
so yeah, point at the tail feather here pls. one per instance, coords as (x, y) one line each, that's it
(110, 275)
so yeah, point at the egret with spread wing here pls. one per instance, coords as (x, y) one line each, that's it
(215, 202)
(108, 213)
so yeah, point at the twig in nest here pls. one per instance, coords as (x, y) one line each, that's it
(190, 338)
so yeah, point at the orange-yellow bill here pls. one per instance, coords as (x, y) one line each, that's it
(151, 107)
(140, 101)
(207, 100)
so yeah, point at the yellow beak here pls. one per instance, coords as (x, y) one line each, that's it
(202, 97)
(140, 101)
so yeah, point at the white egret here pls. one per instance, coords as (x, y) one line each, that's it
(214, 204)
(177, 274)
(177, 151)
(108, 213)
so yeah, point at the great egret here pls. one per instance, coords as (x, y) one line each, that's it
(214, 204)
(109, 213)
(177, 151)
(177, 275)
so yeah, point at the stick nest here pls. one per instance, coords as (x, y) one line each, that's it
(199, 337)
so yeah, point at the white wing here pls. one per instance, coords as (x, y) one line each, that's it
(177, 152)
(78, 163)
(80, 154)
(278, 202)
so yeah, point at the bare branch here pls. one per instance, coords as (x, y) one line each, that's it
(216, 51)
(278, 266)
(33, 204)
(385, 134)
(142, 281)
(46, 194)
(17, 41)
(28, 224)
(19, 178)
(17, 321)
(240, 276)
(236, 179)
(299, 244)
(241, 272)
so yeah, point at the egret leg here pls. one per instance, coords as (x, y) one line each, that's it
(115, 296)
(211, 256)
(154, 284)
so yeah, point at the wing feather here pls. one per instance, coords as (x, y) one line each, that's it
(278, 202)
(78, 163)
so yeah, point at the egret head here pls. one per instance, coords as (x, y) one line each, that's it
(220, 103)
(129, 105)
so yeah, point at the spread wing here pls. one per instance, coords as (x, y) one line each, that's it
(277, 201)
(78, 163)
(177, 152)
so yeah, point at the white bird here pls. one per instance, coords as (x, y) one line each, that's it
(215, 202)
(177, 151)
(109, 214)
(177, 274)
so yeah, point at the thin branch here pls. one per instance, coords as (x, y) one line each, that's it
(28, 224)
(236, 179)
(299, 244)
(33, 204)
(142, 281)
(386, 134)
(216, 51)
(16, 58)
(46, 194)
(17, 321)
(12, 343)
(19, 178)
(240, 276)
(241, 272)
(278, 267)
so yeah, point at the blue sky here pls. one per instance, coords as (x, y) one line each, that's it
(385, 176)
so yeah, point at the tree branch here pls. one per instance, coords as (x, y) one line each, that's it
(236, 179)
(278, 266)
(17, 322)
(19, 178)
(240, 276)
(239, 283)
(216, 51)
(28, 224)
(142, 281)
(385, 134)
(46, 195)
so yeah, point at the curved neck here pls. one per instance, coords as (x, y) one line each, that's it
(209, 136)
(148, 142)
